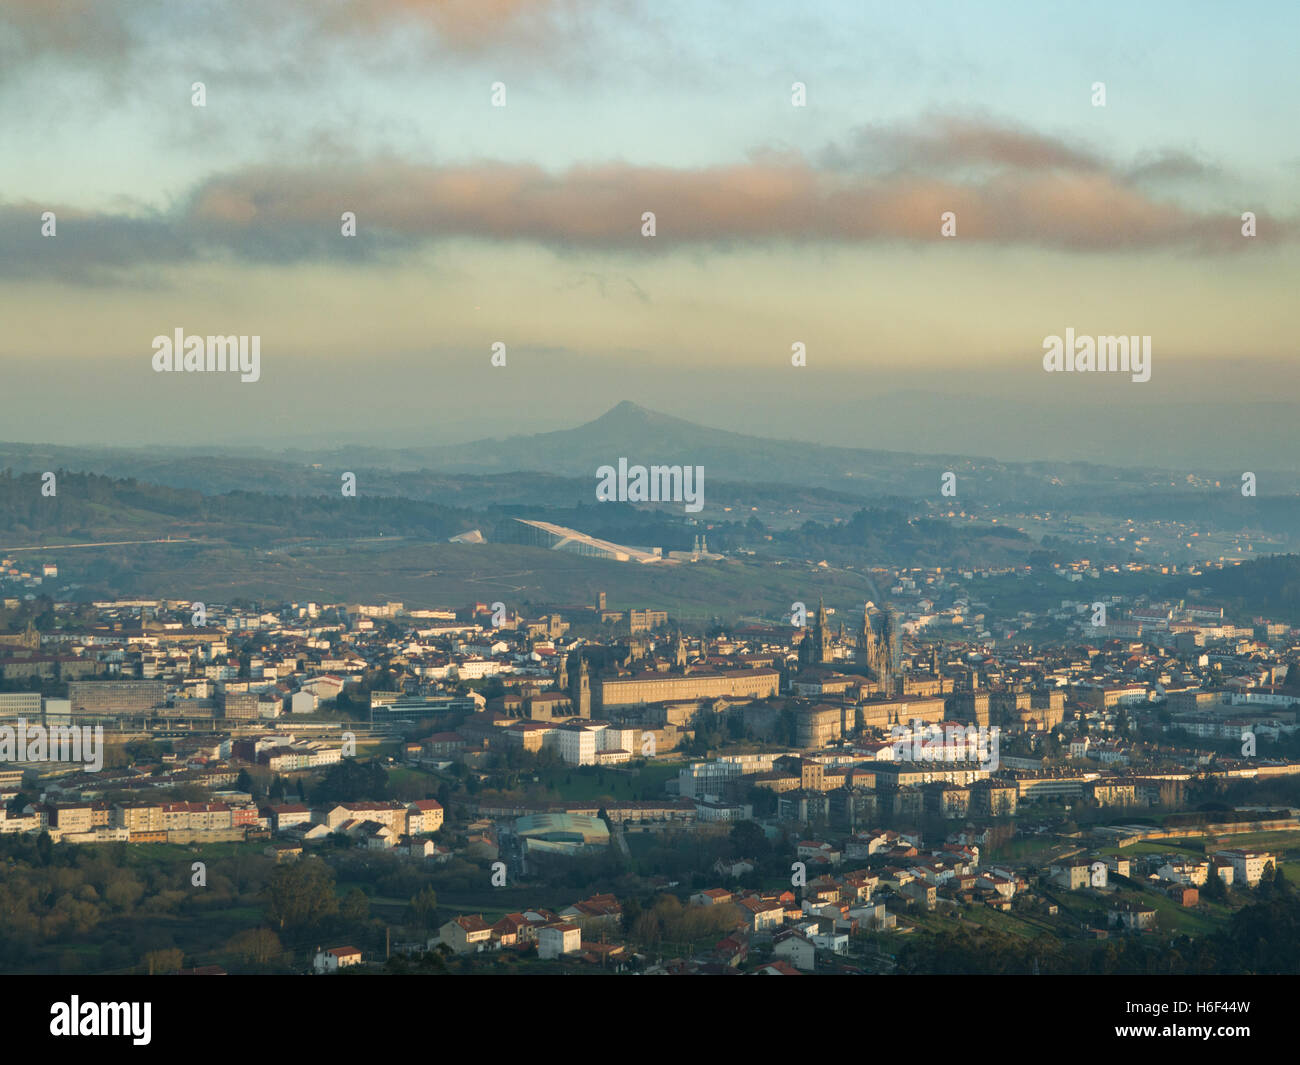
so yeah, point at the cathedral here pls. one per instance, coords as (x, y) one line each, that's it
(817, 647)
(875, 652)
(879, 653)
(578, 686)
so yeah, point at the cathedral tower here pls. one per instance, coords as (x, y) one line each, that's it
(583, 701)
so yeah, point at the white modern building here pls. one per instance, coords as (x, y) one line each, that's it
(558, 939)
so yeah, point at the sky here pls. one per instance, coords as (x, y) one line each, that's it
(775, 224)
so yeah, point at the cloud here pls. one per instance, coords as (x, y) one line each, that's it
(1006, 186)
(771, 198)
(466, 25)
(69, 26)
(945, 143)
(1171, 166)
(87, 248)
(111, 31)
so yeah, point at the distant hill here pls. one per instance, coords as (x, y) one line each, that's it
(488, 470)
(92, 508)
(645, 436)
(1269, 586)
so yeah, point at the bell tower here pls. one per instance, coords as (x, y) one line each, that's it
(584, 690)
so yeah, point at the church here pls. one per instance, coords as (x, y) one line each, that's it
(875, 653)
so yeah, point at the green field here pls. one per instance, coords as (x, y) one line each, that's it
(1284, 844)
(985, 917)
(1195, 920)
(1031, 850)
(589, 784)
(431, 573)
(1171, 917)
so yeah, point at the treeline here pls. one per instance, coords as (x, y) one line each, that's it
(100, 909)
(120, 908)
(1268, 585)
(90, 506)
(1212, 816)
(1226, 508)
(890, 535)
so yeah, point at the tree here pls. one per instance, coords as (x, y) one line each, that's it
(244, 782)
(350, 780)
(256, 946)
(748, 840)
(301, 893)
(631, 911)
(160, 962)
(424, 908)
(355, 906)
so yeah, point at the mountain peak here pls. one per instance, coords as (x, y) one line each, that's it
(627, 409)
(629, 413)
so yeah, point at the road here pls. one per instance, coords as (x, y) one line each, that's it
(106, 543)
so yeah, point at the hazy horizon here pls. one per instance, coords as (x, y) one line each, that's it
(892, 429)
(778, 222)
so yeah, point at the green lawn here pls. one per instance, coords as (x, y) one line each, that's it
(589, 784)
(424, 573)
(984, 916)
(1285, 843)
(1030, 851)
(399, 776)
(1171, 917)
(1193, 920)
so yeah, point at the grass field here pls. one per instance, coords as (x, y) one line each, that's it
(404, 780)
(1286, 844)
(1170, 917)
(983, 916)
(589, 784)
(1196, 920)
(427, 574)
(1031, 850)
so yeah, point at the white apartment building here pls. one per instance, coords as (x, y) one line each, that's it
(577, 744)
(1248, 865)
(555, 940)
(478, 668)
